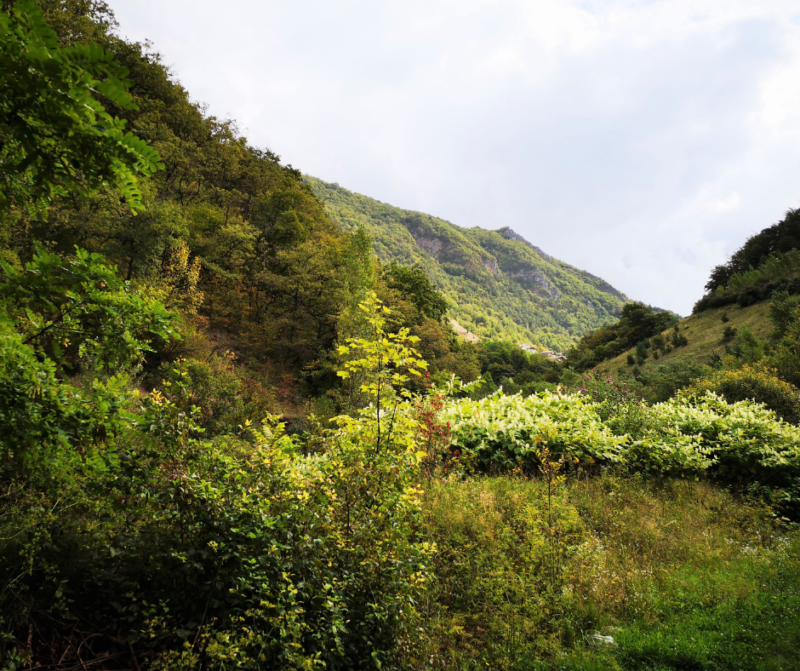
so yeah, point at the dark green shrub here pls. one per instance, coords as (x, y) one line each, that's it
(678, 339)
(757, 384)
(747, 347)
(663, 382)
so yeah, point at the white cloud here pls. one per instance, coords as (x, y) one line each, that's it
(641, 140)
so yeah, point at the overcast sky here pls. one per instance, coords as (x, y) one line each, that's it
(642, 141)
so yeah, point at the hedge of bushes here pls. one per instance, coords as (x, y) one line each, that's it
(697, 432)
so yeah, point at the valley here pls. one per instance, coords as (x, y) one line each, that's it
(253, 420)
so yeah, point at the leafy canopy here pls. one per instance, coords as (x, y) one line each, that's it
(78, 309)
(56, 137)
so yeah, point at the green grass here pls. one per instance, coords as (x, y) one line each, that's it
(704, 332)
(680, 573)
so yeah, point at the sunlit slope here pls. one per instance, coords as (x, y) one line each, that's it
(705, 333)
(499, 286)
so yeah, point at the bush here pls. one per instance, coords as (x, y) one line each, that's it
(505, 432)
(663, 382)
(252, 552)
(742, 443)
(757, 384)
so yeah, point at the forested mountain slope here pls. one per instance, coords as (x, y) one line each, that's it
(498, 285)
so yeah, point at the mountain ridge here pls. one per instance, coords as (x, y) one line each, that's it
(498, 284)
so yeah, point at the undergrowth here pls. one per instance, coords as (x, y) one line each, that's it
(680, 574)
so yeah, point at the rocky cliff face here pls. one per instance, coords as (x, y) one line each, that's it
(536, 279)
(432, 246)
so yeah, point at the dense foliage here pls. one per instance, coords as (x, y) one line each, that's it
(755, 383)
(55, 133)
(767, 262)
(129, 534)
(503, 432)
(780, 272)
(268, 257)
(255, 551)
(775, 240)
(505, 366)
(741, 442)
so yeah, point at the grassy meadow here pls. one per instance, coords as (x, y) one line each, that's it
(679, 573)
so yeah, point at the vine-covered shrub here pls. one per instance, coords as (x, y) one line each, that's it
(742, 442)
(756, 384)
(230, 553)
(500, 432)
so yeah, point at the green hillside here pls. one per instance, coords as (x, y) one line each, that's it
(498, 285)
(705, 333)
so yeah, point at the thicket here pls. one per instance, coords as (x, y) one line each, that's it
(741, 442)
(130, 536)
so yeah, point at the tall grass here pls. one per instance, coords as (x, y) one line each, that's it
(679, 573)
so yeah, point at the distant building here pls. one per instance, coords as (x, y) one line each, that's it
(548, 354)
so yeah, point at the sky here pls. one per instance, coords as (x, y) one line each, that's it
(643, 141)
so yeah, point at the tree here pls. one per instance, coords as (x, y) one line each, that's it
(56, 137)
(414, 285)
(378, 366)
(77, 309)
